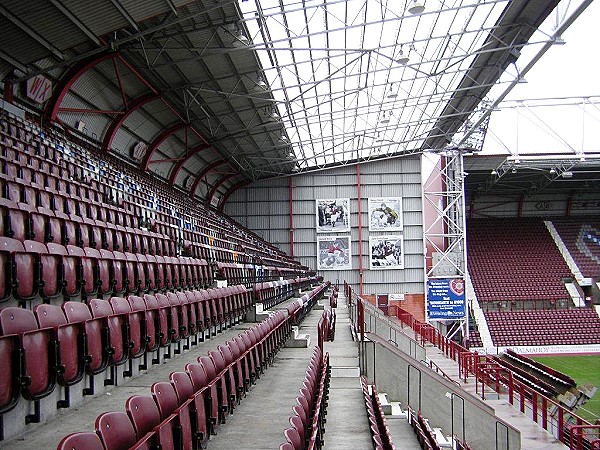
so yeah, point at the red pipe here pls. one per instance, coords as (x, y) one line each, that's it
(291, 199)
(360, 255)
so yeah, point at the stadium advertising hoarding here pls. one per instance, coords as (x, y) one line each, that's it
(445, 299)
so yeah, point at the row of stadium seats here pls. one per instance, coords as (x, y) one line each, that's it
(380, 433)
(74, 344)
(34, 272)
(517, 261)
(183, 412)
(307, 424)
(107, 195)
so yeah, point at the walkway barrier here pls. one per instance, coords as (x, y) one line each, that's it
(490, 377)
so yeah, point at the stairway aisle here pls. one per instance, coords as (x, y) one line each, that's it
(259, 420)
(347, 424)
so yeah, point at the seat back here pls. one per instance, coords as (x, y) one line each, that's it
(153, 329)
(143, 413)
(138, 337)
(95, 356)
(9, 373)
(165, 397)
(117, 330)
(81, 441)
(115, 430)
(70, 339)
(293, 438)
(182, 383)
(38, 349)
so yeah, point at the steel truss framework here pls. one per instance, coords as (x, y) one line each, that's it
(278, 87)
(445, 230)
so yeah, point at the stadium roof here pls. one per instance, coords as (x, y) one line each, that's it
(214, 95)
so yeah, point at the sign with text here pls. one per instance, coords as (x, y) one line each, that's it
(39, 88)
(446, 299)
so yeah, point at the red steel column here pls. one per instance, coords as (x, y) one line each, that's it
(360, 255)
(291, 205)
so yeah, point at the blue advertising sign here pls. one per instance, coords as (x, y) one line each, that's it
(446, 298)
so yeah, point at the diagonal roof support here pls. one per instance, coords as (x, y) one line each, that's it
(114, 126)
(204, 172)
(230, 191)
(185, 158)
(216, 186)
(159, 140)
(69, 78)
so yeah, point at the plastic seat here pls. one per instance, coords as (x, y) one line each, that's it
(115, 430)
(9, 373)
(70, 344)
(28, 272)
(117, 347)
(294, 438)
(81, 441)
(209, 392)
(37, 352)
(143, 413)
(95, 358)
(219, 380)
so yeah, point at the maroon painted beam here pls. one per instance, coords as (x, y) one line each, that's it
(204, 172)
(114, 126)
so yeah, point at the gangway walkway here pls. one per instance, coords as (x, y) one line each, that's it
(347, 424)
(533, 436)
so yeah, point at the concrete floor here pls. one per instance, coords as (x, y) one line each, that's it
(259, 420)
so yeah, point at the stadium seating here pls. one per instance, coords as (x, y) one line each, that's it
(580, 236)
(518, 262)
(183, 411)
(307, 424)
(544, 327)
(380, 432)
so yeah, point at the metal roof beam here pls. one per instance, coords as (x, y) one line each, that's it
(31, 33)
(78, 23)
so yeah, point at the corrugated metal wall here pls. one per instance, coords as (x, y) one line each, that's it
(265, 209)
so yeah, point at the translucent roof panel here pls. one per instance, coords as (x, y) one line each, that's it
(355, 79)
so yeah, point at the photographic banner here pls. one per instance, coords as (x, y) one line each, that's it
(333, 215)
(386, 252)
(333, 253)
(385, 214)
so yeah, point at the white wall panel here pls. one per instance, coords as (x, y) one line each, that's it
(264, 207)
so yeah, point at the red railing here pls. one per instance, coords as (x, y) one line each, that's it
(565, 425)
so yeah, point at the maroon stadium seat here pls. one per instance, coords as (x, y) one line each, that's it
(81, 441)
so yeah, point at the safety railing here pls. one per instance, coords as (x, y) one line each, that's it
(553, 417)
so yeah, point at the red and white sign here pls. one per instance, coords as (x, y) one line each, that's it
(39, 88)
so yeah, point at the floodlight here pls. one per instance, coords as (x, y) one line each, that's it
(402, 58)
(241, 40)
(416, 7)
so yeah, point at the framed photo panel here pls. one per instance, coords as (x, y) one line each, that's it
(333, 215)
(333, 253)
(386, 252)
(385, 214)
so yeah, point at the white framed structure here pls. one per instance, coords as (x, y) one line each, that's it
(386, 252)
(333, 215)
(334, 253)
(385, 214)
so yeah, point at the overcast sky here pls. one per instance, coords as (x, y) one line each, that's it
(569, 70)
